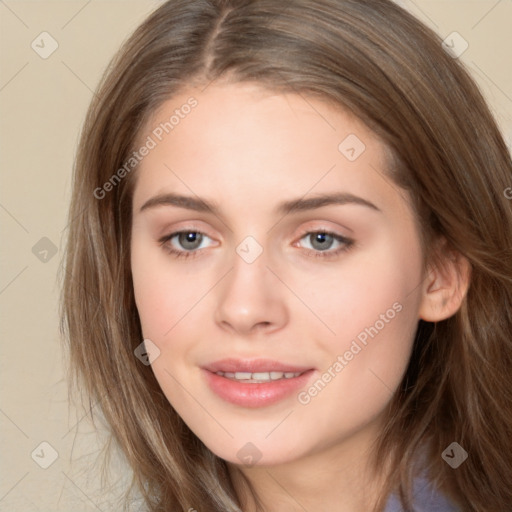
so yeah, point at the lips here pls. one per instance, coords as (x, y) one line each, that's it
(255, 383)
(249, 377)
(232, 365)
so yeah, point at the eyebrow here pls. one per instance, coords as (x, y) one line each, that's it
(284, 208)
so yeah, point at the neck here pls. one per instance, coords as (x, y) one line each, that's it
(339, 478)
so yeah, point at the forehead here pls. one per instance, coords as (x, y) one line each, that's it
(235, 110)
(243, 142)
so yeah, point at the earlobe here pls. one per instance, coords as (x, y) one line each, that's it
(445, 287)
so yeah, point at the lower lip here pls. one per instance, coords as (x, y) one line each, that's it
(256, 394)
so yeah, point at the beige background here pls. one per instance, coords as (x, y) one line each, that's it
(43, 103)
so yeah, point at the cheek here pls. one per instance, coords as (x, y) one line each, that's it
(372, 306)
(354, 295)
(159, 292)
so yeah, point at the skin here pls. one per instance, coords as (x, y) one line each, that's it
(249, 149)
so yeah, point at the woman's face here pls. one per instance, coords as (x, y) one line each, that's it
(309, 263)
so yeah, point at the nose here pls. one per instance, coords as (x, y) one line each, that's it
(251, 299)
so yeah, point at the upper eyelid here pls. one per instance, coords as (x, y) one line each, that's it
(332, 232)
(196, 225)
(321, 230)
(168, 233)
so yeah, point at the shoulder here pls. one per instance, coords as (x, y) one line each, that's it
(425, 499)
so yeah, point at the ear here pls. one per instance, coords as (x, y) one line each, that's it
(445, 285)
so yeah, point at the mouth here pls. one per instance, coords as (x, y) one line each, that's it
(255, 383)
(258, 377)
(254, 366)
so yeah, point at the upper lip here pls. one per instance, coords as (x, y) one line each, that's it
(253, 366)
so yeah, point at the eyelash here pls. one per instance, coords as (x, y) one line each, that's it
(348, 244)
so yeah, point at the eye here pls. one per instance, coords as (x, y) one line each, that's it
(189, 240)
(183, 244)
(187, 243)
(322, 242)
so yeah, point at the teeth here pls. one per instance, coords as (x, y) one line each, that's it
(242, 375)
(258, 376)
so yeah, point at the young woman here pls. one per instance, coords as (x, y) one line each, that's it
(289, 270)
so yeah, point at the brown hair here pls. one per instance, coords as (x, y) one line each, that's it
(376, 60)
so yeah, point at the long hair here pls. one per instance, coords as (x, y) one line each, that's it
(379, 62)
